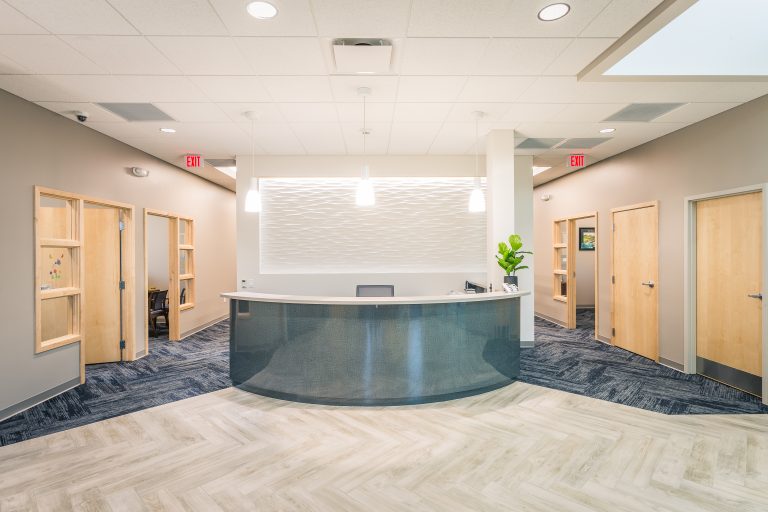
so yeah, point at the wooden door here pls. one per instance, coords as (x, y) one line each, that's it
(728, 282)
(101, 315)
(636, 279)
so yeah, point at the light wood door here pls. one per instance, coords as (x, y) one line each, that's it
(728, 271)
(101, 316)
(636, 282)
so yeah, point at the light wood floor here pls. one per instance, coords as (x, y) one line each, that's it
(521, 448)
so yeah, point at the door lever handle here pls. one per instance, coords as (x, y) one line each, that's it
(649, 284)
(755, 296)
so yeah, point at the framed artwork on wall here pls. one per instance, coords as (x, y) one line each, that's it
(586, 239)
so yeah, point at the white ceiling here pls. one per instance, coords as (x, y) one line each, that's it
(205, 62)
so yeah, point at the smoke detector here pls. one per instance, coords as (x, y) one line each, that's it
(140, 172)
(362, 56)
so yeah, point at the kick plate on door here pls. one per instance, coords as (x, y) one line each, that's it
(739, 379)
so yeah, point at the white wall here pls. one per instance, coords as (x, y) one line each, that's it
(157, 251)
(406, 283)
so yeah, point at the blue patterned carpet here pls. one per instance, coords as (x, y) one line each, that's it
(571, 360)
(566, 360)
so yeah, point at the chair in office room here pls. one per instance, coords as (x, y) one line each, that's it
(375, 290)
(183, 297)
(157, 309)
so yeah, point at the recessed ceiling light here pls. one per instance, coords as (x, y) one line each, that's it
(608, 130)
(537, 169)
(554, 12)
(261, 10)
(167, 130)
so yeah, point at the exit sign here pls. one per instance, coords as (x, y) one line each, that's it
(193, 161)
(576, 161)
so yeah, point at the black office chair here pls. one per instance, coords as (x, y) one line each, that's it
(183, 298)
(375, 290)
(157, 308)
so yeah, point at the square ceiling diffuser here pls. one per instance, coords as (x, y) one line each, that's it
(583, 143)
(642, 112)
(364, 56)
(534, 143)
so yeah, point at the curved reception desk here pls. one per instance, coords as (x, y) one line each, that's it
(373, 350)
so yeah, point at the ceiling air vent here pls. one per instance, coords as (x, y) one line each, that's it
(538, 143)
(585, 143)
(137, 111)
(364, 56)
(643, 112)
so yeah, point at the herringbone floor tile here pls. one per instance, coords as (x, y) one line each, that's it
(523, 448)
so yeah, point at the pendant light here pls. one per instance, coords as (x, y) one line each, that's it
(477, 198)
(365, 195)
(253, 197)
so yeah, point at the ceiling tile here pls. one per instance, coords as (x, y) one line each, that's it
(74, 16)
(578, 55)
(309, 112)
(495, 88)
(172, 17)
(266, 113)
(586, 112)
(13, 22)
(352, 113)
(457, 18)
(96, 114)
(376, 142)
(464, 112)
(123, 55)
(528, 112)
(421, 112)
(294, 19)
(222, 89)
(11, 67)
(522, 18)
(362, 18)
(320, 138)
(102, 88)
(430, 88)
(278, 139)
(282, 55)
(298, 88)
(620, 16)
(46, 55)
(520, 56)
(454, 138)
(442, 56)
(194, 112)
(412, 138)
(203, 55)
(383, 88)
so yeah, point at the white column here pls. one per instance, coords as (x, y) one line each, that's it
(510, 210)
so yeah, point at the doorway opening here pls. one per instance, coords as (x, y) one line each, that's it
(169, 274)
(726, 315)
(575, 270)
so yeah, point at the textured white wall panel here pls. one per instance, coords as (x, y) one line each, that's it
(312, 226)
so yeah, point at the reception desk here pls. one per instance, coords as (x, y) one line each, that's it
(373, 350)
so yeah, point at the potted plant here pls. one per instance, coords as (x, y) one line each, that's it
(510, 258)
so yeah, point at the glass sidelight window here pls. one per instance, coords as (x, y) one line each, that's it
(186, 263)
(560, 238)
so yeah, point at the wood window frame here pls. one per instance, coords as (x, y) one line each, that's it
(76, 243)
(174, 274)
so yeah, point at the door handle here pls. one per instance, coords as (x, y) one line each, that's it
(649, 284)
(755, 296)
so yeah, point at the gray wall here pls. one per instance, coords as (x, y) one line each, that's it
(39, 147)
(726, 151)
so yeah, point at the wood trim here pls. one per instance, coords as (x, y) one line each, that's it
(88, 199)
(59, 242)
(186, 247)
(187, 305)
(637, 206)
(59, 292)
(186, 277)
(60, 342)
(560, 298)
(174, 332)
(560, 272)
(597, 279)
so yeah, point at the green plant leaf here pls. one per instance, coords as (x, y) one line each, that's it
(515, 242)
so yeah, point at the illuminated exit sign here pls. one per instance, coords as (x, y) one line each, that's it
(576, 161)
(193, 161)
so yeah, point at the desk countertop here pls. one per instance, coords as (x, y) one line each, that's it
(425, 299)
